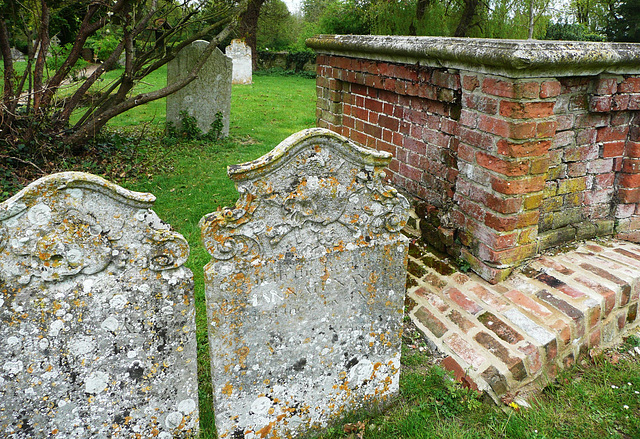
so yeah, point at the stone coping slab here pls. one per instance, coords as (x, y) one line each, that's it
(512, 58)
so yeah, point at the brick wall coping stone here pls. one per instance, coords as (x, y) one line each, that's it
(512, 58)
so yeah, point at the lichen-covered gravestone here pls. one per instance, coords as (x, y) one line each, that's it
(305, 289)
(97, 326)
(208, 97)
(240, 53)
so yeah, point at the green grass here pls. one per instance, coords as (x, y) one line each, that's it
(196, 183)
(591, 400)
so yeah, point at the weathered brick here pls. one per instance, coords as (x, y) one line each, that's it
(526, 110)
(465, 351)
(450, 364)
(613, 149)
(572, 185)
(489, 297)
(518, 186)
(608, 134)
(514, 364)
(500, 328)
(606, 86)
(529, 304)
(498, 87)
(431, 322)
(508, 256)
(525, 149)
(569, 310)
(533, 357)
(558, 284)
(505, 167)
(600, 104)
(495, 379)
(629, 85)
(550, 89)
(463, 323)
(463, 301)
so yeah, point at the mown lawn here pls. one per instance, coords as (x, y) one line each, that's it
(597, 398)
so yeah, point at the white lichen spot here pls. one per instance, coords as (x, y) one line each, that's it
(118, 301)
(173, 420)
(39, 215)
(132, 353)
(75, 193)
(96, 382)
(87, 285)
(261, 406)
(143, 288)
(43, 343)
(13, 340)
(55, 327)
(165, 435)
(187, 406)
(13, 367)
(360, 372)
(110, 324)
(82, 345)
(1, 302)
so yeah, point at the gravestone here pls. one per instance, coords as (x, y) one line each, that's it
(97, 322)
(208, 97)
(240, 53)
(305, 288)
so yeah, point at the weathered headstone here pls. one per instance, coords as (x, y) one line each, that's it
(305, 289)
(240, 53)
(208, 97)
(97, 323)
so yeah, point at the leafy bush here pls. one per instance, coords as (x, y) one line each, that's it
(571, 32)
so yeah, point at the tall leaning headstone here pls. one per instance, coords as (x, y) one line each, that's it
(209, 95)
(240, 53)
(305, 288)
(97, 321)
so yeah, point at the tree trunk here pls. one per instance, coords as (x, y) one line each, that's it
(468, 13)
(248, 27)
(421, 6)
(531, 19)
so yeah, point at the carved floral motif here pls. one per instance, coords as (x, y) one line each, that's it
(72, 223)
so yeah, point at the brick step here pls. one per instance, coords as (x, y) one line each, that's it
(501, 337)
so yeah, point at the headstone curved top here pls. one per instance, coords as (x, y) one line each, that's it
(240, 53)
(97, 320)
(305, 288)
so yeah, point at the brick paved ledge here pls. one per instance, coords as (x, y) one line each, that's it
(499, 338)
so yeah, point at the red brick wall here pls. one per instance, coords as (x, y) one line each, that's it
(505, 167)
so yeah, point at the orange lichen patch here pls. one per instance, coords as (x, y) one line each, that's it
(264, 431)
(227, 389)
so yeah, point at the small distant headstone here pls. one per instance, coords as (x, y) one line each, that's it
(97, 323)
(55, 41)
(240, 53)
(206, 98)
(16, 55)
(305, 288)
